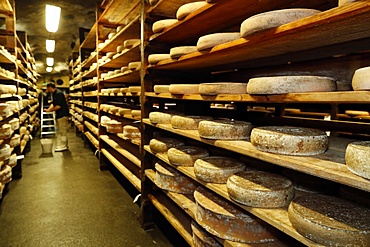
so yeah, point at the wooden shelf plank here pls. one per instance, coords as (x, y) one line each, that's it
(127, 56)
(5, 58)
(349, 21)
(132, 77)
(127, 116)
(89, 61)
(167, 8)
(119, 94)
(6, 7)
(135, 160)
(90, 39)
(135, 181)
(91, 73)
(330, 165)
(117, 11)
(362, 97)
(133, 141)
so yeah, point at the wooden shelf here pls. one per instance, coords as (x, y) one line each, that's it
(90, 40)
(361, 97)
(119, 95)
(135, 160)
(330, 165)
(125, 172)
(116, 12)
(127, 116)
(167, 8)
(92, 128)
(133, 141)
(6, 7)
(89, 61)
(315, 32)
(91, 138)
(127, 56)
(6, 78)
(5, 58)
(91, 73)
(132, 77)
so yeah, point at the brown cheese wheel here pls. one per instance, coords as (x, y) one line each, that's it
(224, 129)
(160, 118)
(162, 144)
(186, 156)
(187, 122)
(330, 221)
(202, 238)
(260, 189)
(217, 169)
(289, 140)
(357, 158)
(216, 88)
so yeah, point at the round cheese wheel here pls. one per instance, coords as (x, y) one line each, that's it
(14, 123)
(169, 179)
(15, 140)
(153, 2)
(224, 129)
(355, 195)
(330, 221)
(124, 90)
(343, 2)
(217, 169)
(116, 90)
(114, 126)
(124, 111)
(111, 35)
(216, 88)
(159, 26)
(189, 8)
(136, 113)
(156, 58)
(187, 122)
(134, 89)
(290, 84)
(177, 52)
(124, 69)
(110, 54)
(260, 189)
(6, 131)
(202, 238)
(5, 152)
(130, 43)
(162, 88)
(134, 65)
(273, 19)
(12, 160)
(225, 221)
(120, 48)
(289, 140)
(184, 88)
(357, 113)
(131, 132)
(186, 156)
(357, 158)
(160, 118)
(162, 144)
(211, 40)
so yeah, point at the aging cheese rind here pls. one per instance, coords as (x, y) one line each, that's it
(260, 189)
(225, 221)
(187, 122)
(357, 158)
(162, 88)
(273, 19)
(216, 88)
(131, 132)
(289, 140)
(160, 118)
(186, 156)
(217, 169)
(130, 43)
(189, 8)
(343, 2)
(224, 129)
(156, 58)
(177, 52)
(202, 238)
(290, 84)
(184, 88)
(211, 40)
(159, 26)
(330, 221)
(161, 145)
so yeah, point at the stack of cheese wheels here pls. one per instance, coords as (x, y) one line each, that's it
(159, 26)
(357, 158)
(216, 88)
(156, 58)
(186, 156)
(355, 195)
(130, 43)
(12, 162)
(187, 122)
(160, 118)
(225, 221)
(343, 2)
(330, 221)
(162, 144)
(361, 79)
(211, 40)
(260, 189)
(177, 52)
(131, 132)
(273, 19)
(5, 174)
(289, 140)
(6, 131)
(224, 129)
(202, 238)
(169, 179)
(290, 84)
(162, 88)
(189, 8)
(184, 88)
(217, 169)
(5, 152)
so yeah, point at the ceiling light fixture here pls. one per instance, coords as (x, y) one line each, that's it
(49, 69)
(52, 18)
(49, 61)
(50, 45)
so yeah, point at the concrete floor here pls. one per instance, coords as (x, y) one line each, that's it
(65, 200)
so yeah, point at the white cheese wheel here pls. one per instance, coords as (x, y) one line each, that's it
(290, 84)
(260, 189)
(187, 122)
(343, 2)
(162, 88)
(156, 58)
(189, 8)
(186, 156)
(273, 19)
(211, 40)
(357, 113)
(159, 26)
(357, 158)
(136, 113)
(222, 219)
(289, 140)
(124, 90)
(131, 132)
(134, 65)
(162, 144)
(116, 90)
(5, 152)
(184, 88)
(177, 52)
(120, 48)
(202, 238)
(169, 179)
(124, 69)
(111, 35)
(134, 89)
(12, 160)
(6, 131)
(217, 169)
(4, 174)
(14, 123)
(160, 118)
(224, 130)
(216, 88)
(15, 140)
(124, 111)
(130, 43)
(330, 221)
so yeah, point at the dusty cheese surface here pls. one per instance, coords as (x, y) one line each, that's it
(202, 238)
(211, 40)
(5, 152)
(186, 156)
(224, 129)
(189, 8)
(162, 144)
(361, 79)
(131, 132)
(128, 44)
(187, 122)
(161, 88)
(156, 58)
(358, 158)
(184, 88)
(159, 26)
(215, 88)
(160, 117)
(177, 52)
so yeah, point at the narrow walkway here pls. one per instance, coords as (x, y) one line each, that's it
(65, 200)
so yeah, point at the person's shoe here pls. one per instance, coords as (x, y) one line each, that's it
(60, 149)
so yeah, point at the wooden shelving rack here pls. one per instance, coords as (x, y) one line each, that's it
(332, 43)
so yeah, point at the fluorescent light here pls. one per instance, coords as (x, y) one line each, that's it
(49, 69)
(50, 45)
(49, 61)
(52, 17)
